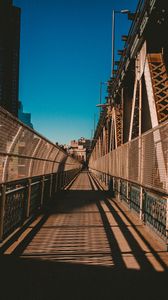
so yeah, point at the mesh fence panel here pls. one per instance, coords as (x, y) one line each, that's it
(143, 160)
(25, 153)
(124, 161)
(155, 158)
(133, 161)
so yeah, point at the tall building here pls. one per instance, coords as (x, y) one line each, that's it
(24, 117)
(9, 55)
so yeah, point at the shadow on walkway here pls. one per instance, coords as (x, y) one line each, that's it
(42, 280)
(88, 248)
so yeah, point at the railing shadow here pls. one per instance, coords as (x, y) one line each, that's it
(84, 249)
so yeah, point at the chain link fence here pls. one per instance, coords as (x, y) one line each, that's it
(143, 161)
(25, 153)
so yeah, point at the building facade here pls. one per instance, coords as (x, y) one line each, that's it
(9, 55)
(80, 148)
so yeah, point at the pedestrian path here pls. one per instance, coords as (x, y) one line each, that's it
(85, 226)
(88, 246)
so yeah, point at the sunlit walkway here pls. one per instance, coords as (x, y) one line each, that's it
(88, 237)
(87, 227)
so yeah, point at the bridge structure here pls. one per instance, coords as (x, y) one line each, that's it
(130, 143)
(60, 223)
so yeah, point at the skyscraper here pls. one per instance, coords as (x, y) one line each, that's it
(9, 55)
(24, 117)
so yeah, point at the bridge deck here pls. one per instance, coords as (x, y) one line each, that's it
(88, 240)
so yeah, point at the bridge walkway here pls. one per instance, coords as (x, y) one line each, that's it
(88, 245)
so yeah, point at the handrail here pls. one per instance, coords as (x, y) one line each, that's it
(23, 198)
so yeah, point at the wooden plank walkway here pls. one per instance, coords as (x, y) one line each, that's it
(74, 231)
(89, 228)
(89, 239)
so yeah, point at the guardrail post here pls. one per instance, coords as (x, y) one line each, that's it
(113, 185)
(118, 189)
(107, 181)
(2, 210)
(42, 191)
(127, 193)
(62, 180)
(59, 180)
(65, 178)
(56, 183)
(28, 197)
(130, 202)
(51, 184)
(167, 225)
(141, 204)
(112, 191)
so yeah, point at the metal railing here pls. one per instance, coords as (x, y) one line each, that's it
(152, 208)
(137, 172)
(22, 199)
(143, 161)
(32, 170)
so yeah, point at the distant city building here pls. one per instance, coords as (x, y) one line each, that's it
(24, 117)
(74, 144)
(9, 55)
(80, 148)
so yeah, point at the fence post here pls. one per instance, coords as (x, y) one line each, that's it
(51, 184)
(2, 210)
(42, 190)
(141, 204)
(127, 194)
(28, 197)
(106, 180)
(65, 175)
(113, 185)
(167, 225)
(118, 189)
(66, 178)
(56, 183)
(62, 180)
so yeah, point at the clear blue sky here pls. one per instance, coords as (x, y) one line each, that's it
(65, 53)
